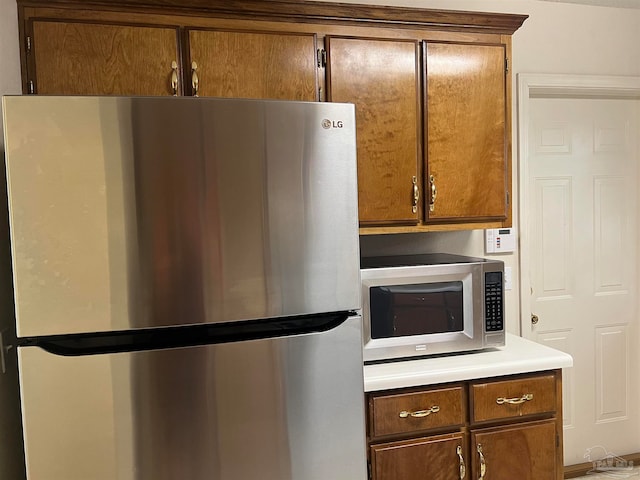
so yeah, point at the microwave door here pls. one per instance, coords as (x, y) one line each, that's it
(422, 309)
(421, 312)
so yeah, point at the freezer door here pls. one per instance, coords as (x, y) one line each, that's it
(130, 213)
(278, 409)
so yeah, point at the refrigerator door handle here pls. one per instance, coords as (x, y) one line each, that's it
(4, 350)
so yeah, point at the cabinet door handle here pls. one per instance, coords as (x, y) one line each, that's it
(416, 194)
(515, 401)
(195, 82)
(419, 413)
(434, 193)
(463, 470)
(483, 464)
(174, 78)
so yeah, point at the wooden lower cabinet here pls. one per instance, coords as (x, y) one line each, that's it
(439, 457)
(502, 428)
(524, 451)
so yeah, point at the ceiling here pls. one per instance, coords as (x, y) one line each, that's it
(604, 3)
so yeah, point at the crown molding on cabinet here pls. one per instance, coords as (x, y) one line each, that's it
(312, 12)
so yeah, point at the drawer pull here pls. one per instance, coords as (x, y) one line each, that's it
(420, 413)
(515, 401)
(483, 464)
(463, 470)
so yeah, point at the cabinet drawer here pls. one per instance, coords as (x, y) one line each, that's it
(513, 398)
(415, 411)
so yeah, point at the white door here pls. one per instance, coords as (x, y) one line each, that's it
(582, 179)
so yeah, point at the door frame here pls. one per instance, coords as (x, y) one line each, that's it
(556, 86)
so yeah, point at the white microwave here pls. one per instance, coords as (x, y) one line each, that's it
(438, 303)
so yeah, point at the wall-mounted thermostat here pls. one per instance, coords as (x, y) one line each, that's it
(500, 240)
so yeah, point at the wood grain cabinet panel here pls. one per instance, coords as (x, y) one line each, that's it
(513, 398)
(433, 458)
(497, 440)
(381, 77)
(466, 131)
(72, 58)
(522, 451)
(410, 412)
(254, 65)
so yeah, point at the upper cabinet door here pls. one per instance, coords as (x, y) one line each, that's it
(237, 64)
(72, 58)
(466, 132)
(381, 77)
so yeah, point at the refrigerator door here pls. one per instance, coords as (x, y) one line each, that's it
(278, 409)
(131, 213)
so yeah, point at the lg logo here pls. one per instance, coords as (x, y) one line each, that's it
(327, 124)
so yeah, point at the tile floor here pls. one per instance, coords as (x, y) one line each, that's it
(634, 475)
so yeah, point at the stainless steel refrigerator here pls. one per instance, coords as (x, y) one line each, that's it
(186, 278)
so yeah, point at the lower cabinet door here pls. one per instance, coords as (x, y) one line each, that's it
(525, 451)
(441, 457)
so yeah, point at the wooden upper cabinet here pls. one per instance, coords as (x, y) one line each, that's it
(466, 132)
(72, 58)
(381, 77)
(253, 65)
(430, 87)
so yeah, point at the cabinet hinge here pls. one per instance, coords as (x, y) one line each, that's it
(31, 87)
(506, 64)
(322, 58)
(508, 198)
(28, 44)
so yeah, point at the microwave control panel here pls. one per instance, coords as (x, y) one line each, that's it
(493, 302)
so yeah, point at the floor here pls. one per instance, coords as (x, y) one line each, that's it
(619, 474)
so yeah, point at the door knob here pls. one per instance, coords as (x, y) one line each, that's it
(534, 319)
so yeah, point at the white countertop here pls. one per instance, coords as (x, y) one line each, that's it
(519, 355)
